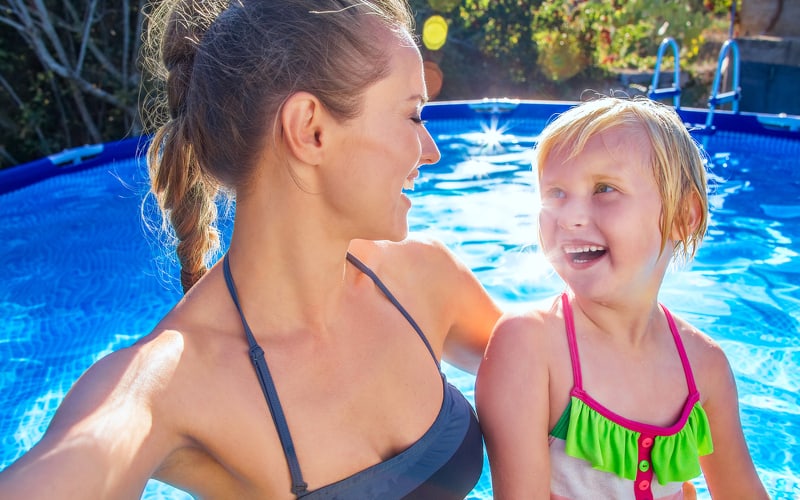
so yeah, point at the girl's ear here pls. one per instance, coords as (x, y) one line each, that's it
(687, 220)
(302, 121)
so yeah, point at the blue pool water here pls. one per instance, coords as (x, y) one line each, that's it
(82, 276)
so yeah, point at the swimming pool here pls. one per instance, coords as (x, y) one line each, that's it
(83, 277)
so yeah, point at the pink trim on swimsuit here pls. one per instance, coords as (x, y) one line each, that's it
(643, 482)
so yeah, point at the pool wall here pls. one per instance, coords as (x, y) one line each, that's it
(785, 126)
(70, 160)
(84, 157)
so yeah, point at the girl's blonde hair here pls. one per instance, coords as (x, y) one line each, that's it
(677, 162)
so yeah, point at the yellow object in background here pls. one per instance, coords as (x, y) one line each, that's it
(434, 32)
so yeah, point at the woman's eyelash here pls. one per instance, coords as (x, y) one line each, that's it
(418, 120)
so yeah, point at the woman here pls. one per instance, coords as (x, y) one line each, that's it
(309, 112)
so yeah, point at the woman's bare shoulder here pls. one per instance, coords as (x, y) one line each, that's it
(417, 254)
(424, 266)
(124, 385)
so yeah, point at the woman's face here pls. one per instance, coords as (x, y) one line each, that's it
(382, 150)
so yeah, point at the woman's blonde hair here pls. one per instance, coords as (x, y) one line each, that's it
(677, 162)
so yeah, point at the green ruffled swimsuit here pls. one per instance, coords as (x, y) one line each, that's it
(595, 453)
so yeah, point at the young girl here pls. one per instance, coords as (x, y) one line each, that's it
(306, 362)
(606, 394)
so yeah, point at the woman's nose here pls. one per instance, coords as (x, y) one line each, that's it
(430, 152)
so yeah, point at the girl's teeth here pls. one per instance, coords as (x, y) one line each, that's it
(408, 184)
(587, 248)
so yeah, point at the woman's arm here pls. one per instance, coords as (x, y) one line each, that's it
(451, 306)
(474, 318)
(102, 442)
(512, 399)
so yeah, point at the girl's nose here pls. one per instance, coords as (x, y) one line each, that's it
(573, 214)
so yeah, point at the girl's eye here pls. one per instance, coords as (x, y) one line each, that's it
(418, 120)
(604, 188)
(554, 193)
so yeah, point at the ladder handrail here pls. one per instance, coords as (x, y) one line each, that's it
(732, 95)
(654, 92)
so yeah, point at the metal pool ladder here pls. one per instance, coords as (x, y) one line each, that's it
(715, 99)
(655, 92)
(732, 95)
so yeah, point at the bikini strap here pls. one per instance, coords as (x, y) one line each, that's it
(364, 269)
(569, 324)
(687, 368)
(299, 487)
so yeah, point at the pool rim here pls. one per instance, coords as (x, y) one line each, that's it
(88, 156)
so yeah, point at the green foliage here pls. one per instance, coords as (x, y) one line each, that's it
(503, 30)
(614, 34)
(532, 44)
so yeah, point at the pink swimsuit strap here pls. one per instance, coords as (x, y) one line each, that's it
(576, 362)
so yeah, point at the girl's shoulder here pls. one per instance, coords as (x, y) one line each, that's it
(708, 361)
(525, 352)
(699, 345)
(537, 331)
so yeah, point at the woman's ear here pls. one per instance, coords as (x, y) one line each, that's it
(302, 122)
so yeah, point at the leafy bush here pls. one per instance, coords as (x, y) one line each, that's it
(529, 43)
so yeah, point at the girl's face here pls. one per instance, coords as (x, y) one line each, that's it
(383, 149)
(599, 222)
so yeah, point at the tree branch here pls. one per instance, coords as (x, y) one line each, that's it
(87, 24)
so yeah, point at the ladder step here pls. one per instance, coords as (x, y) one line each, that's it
(664, 92)
(724, 97)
